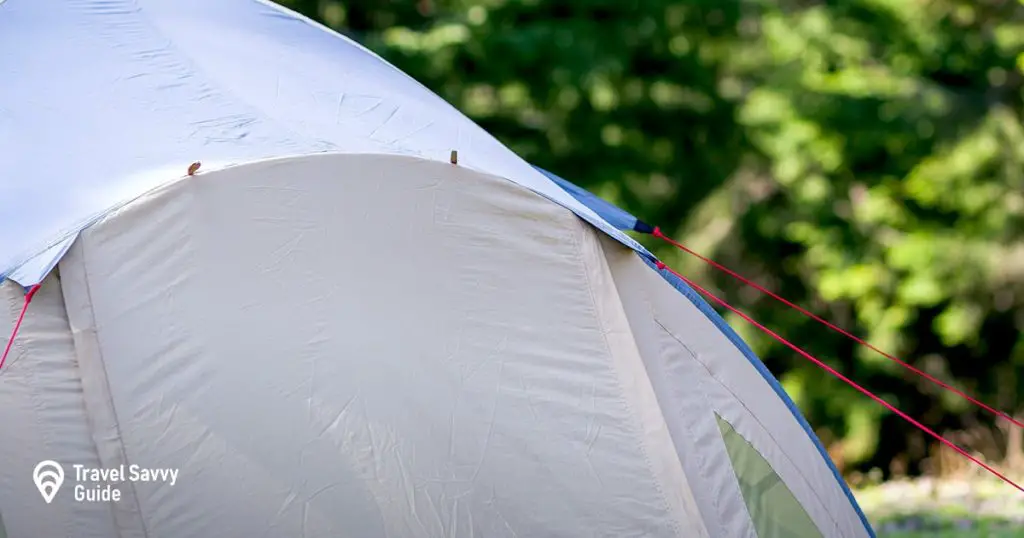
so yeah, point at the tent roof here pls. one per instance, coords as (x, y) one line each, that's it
(103, 101)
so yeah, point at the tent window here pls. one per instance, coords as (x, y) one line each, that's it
(773, 509)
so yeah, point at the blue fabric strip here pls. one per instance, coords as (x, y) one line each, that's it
(609, 212)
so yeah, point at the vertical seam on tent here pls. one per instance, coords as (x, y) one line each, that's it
(700, 457)
(734, 480)
(785, 454)
(708, 311)
(110, 393)
(46, 431)
(78, 371)
(701, 468)
(17, 344)
(625, 402)
(741, 346)
(37, 407)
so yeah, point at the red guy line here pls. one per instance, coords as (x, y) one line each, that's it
(658, 233)
(17, 326)
(842, 378)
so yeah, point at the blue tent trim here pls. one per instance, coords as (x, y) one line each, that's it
(607, 211)
(625, 221)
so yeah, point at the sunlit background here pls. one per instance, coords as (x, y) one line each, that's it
(863, 158)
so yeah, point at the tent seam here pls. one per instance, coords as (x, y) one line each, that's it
(701, 457)
(711, 374)
(110, 393)
(715, 501)
(625, 402)
(37, 407)
(709, 313)
(773, 383)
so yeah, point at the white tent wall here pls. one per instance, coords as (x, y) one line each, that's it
(350, 345)
(698, 372)
(43, 416)
(682, 396)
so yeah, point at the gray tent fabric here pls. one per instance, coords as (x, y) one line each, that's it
(380, 346)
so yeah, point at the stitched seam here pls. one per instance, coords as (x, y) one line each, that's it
(715, 503)
(625, 402)
(22, 351)
(767, 431)
(106, 383)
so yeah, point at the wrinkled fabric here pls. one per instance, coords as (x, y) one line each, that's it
(315, 365)
(690, 358)
(104, 100)
(44, 416)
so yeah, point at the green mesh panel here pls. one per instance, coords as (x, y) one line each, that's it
(774, 510)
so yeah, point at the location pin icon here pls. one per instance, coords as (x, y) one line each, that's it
(48, 476)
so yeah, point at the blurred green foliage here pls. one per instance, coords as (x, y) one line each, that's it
(862, 157)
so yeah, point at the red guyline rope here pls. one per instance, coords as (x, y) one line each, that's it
(842, 378)
(658, 233)
(17, 326)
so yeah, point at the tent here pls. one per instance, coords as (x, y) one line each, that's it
(331, 329)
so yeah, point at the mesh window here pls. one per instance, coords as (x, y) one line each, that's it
(774, 510)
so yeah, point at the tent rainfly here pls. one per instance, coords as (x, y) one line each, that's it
(332, 330)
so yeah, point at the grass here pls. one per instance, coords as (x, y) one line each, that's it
(962, 508)
(931, 526)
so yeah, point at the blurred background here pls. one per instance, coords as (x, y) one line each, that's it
(863, 158)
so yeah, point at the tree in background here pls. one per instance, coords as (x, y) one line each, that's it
(864, 158)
